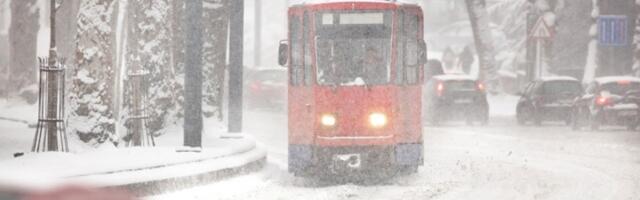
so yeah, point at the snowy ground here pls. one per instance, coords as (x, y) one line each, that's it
(15, 117)
(500, 161)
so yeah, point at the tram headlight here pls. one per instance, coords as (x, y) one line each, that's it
(377, 120)
(328, 120)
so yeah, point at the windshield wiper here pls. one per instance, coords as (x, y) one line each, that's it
(366, 85)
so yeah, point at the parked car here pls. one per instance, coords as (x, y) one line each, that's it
(548, 99)
(455, 97)
(608, 101)
(266, 88)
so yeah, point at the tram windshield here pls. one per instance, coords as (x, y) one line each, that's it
(353, 48)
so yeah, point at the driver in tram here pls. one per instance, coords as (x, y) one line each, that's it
(374, 67)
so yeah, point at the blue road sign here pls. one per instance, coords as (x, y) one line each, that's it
(613, 30)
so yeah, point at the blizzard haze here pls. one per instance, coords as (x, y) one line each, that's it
(319, 99)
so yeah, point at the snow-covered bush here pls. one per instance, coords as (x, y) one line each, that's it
(91, 94)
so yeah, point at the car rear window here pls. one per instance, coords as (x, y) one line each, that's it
(561, 87)
(460, 85)
(620, 88)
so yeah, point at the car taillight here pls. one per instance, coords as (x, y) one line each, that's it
(440, 89)
(602, 101)
(480, 86)
(624, 82)
(255, 86)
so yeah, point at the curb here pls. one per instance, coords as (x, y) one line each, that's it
(158, 187)
(199, 172)
(140, 179)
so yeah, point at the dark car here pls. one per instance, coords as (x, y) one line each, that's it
(548, 99)
(266, 88)
(608, 101)
(455, 97)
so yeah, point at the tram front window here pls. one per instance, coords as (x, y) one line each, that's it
(353, 48)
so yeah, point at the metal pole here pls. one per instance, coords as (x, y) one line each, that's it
(193, 74)
(236, 65)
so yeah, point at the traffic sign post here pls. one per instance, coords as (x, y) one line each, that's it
(540, 32)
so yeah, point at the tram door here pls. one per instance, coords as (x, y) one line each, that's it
(301, 79)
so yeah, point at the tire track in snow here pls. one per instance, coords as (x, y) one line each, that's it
(564, 168)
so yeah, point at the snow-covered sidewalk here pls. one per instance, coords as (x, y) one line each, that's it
(129, 166)
(109, 166)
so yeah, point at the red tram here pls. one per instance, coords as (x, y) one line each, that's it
(355, 75)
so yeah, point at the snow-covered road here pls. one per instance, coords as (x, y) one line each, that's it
(500, 161)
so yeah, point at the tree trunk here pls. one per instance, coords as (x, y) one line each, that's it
(592, 62)
(4, 44)
(571, 30)
(66, 32)
(236, 65)
(636, 41)
(257, 33)
(23, 35)
(149, 50)
(132, 92)
(52, 84)
(215, 54)
(478, 17)
(177, 36)
(177, 56)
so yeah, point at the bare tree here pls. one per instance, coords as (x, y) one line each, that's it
(479, 19)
